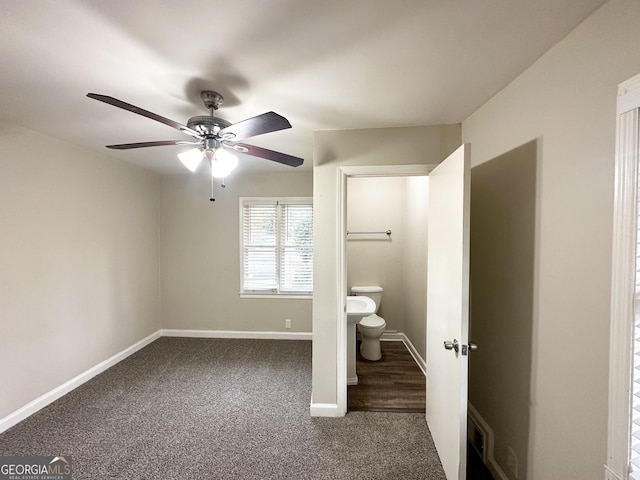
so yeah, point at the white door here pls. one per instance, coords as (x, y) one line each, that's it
(448, 310)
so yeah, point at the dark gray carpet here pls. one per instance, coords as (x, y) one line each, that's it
(220, 409)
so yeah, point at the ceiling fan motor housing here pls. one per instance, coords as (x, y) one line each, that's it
(211, 99)
(205, 124)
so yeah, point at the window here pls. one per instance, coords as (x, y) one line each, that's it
(276, 246)
(623, 449)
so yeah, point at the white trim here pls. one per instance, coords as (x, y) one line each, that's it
(628, 95)
(414, 353)
(394, 336)
(275, 201)
(623, 278)
(401, 337)
(279, 296)
(53, 395)
(341, 285)
(609, 475)
(387, 170)
(324, 410)
(236, 334)
(628, 102)
(491, 462)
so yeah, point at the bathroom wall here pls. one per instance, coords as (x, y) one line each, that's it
(414, 273)
(378, 204)
(397, 263)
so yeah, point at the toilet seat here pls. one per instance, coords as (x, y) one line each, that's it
(372, 321)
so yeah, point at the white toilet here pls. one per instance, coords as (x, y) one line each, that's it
(372, 327)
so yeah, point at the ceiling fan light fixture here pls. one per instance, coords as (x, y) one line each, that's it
(223, 163)
(212, 134)
(191, 158)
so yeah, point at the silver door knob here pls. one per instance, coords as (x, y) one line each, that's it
(471, 347)
(452, 345)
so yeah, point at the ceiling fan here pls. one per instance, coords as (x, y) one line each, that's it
(215, 137)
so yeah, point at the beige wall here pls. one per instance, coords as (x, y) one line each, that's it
(398, 263)
(78, 262)
(567, 100)
(414, 274)
(332, 149)
(378, 204)
(200, 257)
(503, 233)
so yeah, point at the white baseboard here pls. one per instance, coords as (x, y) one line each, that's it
(236, 334)
(51, 396)
(391, 336)
(491, 462)
(324, 410)
(316, 409)
(401, 337)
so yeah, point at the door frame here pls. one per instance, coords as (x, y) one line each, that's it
(343, 173)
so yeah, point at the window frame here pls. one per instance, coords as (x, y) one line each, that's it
(623, 304)
(276, 293)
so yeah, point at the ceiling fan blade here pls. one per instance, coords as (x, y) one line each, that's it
(268, 154)
(161, 143)
(265, 123)
(153, 116)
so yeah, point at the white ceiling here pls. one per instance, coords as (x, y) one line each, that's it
(323, 64)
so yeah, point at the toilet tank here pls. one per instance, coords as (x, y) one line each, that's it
(374, 292)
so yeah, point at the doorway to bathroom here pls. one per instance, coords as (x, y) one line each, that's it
(386, 225)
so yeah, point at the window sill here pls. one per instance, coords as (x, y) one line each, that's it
(283, 296)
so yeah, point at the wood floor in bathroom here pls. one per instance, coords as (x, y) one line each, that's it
(393, 384)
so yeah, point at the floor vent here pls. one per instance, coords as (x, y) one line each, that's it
(477, 439)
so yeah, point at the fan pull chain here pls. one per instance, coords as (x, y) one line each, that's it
(212, 199)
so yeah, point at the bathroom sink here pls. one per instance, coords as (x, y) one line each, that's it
(358, 307)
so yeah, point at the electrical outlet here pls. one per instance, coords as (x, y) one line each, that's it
(512, 461)
(287, 323)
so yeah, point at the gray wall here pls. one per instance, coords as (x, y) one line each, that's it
(78, 262)
(503, 234)
(200, 255)
(567, 100)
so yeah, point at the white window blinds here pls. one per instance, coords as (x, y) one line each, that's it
(277, 249)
